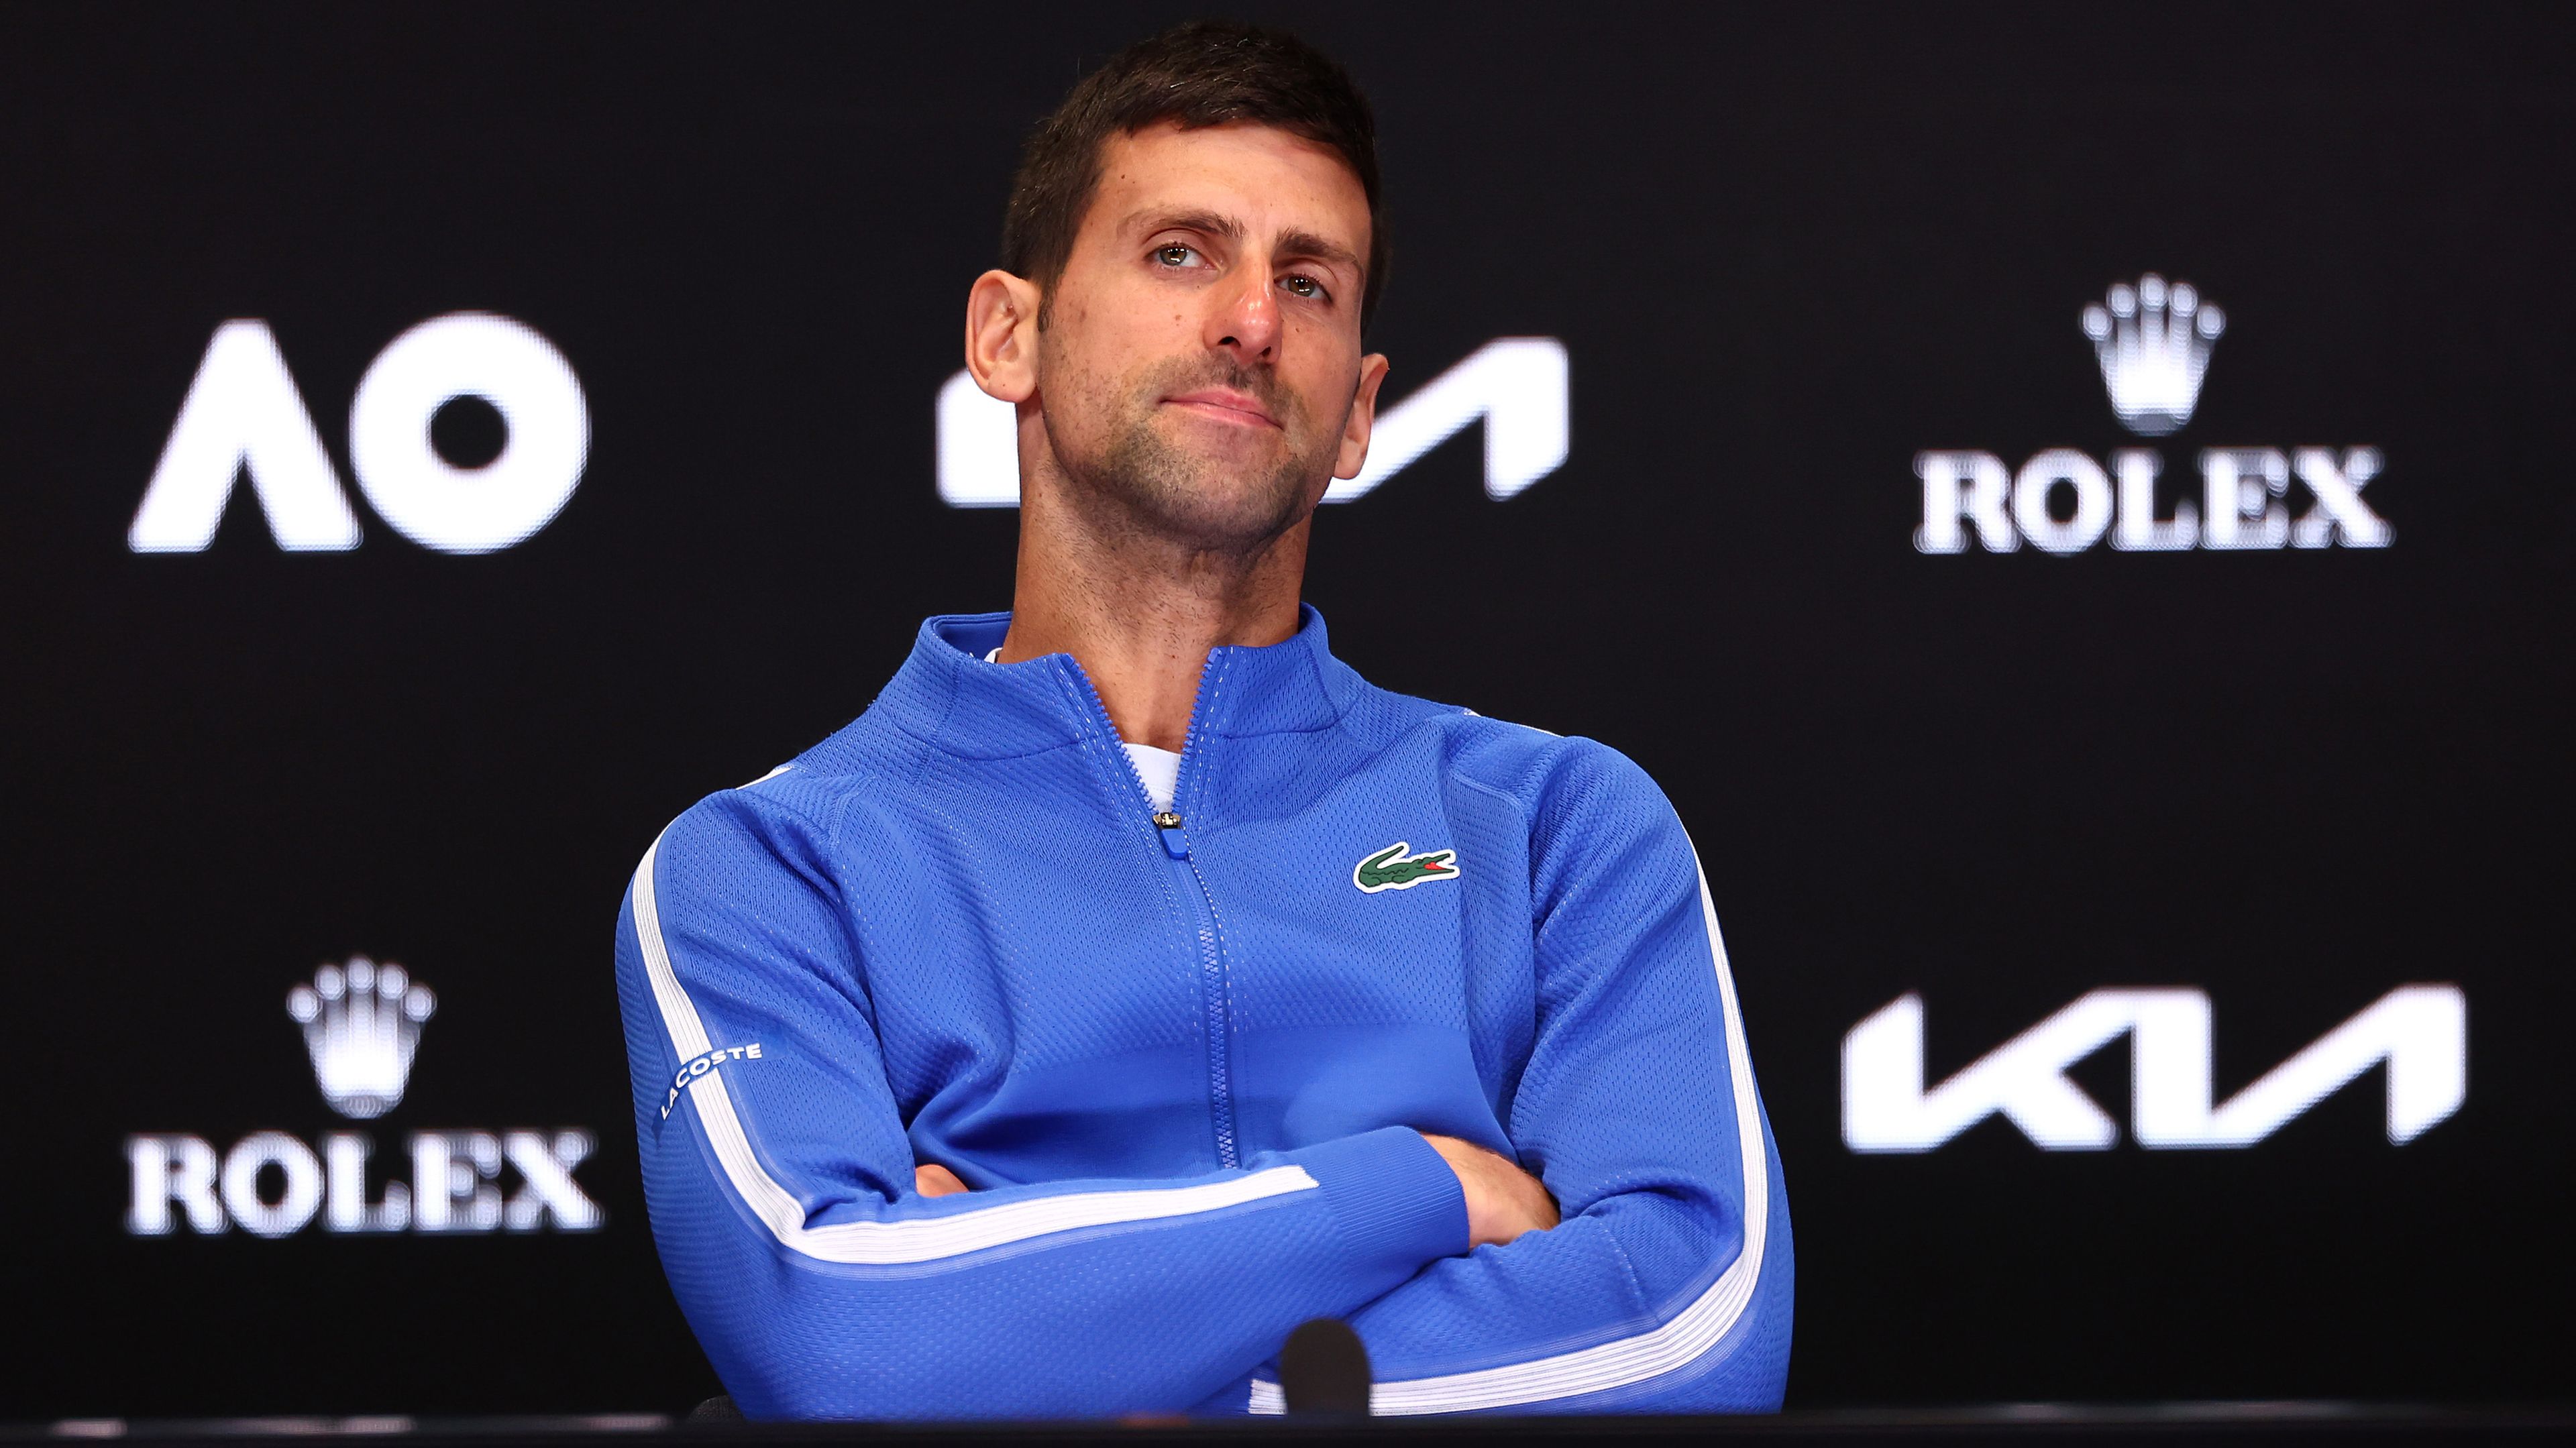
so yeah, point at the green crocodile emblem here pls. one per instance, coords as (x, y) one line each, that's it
(1393, 869)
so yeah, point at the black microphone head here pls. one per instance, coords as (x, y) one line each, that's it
(1324, 1370)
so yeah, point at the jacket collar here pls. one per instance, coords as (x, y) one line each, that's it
(947, 694)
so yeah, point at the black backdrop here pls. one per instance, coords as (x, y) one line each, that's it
(1785, 252)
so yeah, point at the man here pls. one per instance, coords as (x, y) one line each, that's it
(1132, 982)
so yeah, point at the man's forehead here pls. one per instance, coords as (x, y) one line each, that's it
(1240, 179)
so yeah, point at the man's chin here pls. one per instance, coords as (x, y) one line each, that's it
(1236, 494)
(1224, 511)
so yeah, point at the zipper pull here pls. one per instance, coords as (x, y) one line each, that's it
(1168, 826)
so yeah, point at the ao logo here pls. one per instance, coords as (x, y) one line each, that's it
(1516, 385)
(2153, 343)
(2421, 1032)
(243, 416)
(362, 1025)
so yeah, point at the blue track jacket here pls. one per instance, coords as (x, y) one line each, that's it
(1184, 1066)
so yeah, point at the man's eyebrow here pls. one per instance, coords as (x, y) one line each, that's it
(1307, 243)
(1206, 221)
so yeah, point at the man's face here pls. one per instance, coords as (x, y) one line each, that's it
(1201, 353)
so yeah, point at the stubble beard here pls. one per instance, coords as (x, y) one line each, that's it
(1142, 483)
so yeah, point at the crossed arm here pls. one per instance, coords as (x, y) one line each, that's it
(830, 1274)
(1503, 1201)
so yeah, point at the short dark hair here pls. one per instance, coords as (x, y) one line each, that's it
(1204, 73)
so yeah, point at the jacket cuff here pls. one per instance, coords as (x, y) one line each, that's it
(1398, 1204)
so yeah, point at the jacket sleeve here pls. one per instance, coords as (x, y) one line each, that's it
(1666, 1288)
(779, 1182)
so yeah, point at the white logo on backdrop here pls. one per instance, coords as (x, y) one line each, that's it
(243, 417)
(2421, 1032)
(1517, 386)
(2153, 342)
(362, 1025)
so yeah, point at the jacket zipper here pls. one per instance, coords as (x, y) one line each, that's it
(1171, 832)
(1212, 986)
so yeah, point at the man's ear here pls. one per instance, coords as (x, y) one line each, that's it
(1355, 433)
(1002, 335)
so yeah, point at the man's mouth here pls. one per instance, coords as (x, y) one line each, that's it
(1224, 404)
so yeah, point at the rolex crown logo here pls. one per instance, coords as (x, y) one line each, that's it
(361, 1025)
(2153, 342)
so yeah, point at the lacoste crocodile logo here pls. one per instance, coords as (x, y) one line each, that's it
(1393, 869)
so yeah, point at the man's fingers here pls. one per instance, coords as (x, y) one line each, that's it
(936, 1181)
(1542, 1202)
(1503, 1201)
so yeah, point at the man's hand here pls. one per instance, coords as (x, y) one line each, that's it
(1503, 1201)
(936, 1181)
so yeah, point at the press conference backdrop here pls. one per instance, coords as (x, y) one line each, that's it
(2071, 503)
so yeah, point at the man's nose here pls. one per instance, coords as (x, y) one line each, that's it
(1244, 318)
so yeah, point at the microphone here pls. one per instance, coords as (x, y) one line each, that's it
(1324, 1371)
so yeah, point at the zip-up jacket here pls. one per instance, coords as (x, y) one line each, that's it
(1185, 1059)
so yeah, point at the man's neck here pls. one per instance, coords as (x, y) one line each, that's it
(1140, 612)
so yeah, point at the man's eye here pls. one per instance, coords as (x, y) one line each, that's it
(1176, 254)
(1306, 287)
